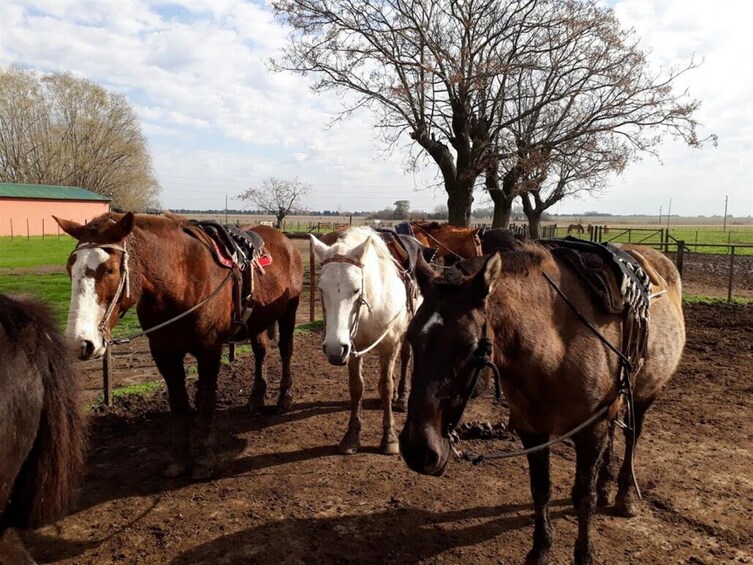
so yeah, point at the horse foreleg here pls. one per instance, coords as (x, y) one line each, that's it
(170, 366)
(206, 401)
(351, 441)
(589, 448)
(287, 328)
(389, 445)
(626, 501)
(400, 401)
(541, 492)
(606, 471)
(259, 390)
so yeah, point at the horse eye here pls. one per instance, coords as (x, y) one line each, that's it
(110, 271)
(356, 291)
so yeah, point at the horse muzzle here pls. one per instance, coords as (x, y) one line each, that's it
(337, 355)
(423, 453)
(88, 350)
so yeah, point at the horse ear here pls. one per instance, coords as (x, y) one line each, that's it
(486, 279)
(120, 230)
(70, 227)
(360, 250)
(425, 275)
(320, 249)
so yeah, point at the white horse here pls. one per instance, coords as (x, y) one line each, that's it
(366, 307)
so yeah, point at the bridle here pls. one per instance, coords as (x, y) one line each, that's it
(124, 283)
(360, 303)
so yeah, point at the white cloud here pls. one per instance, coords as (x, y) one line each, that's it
(219, 120)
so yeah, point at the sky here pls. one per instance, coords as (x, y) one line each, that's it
(219, 121)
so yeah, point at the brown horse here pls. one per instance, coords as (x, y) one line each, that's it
(451, 242)
(555, 372)
(42, 424)
(165, 273)
(577, 228)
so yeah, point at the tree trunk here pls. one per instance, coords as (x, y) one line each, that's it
(502, 209)
(534, 224)
(533, 212)
(459, 203)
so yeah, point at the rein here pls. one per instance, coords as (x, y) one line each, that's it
(125, 284)
(482, 359)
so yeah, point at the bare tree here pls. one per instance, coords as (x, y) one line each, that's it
(591, 104)
(277, 196)
(62, 130)
(436, 71)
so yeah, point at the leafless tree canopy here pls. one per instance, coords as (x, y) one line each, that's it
(490, 87)
(277, 196)
(62, 130)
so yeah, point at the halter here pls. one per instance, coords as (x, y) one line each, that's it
(361, 301)
(123, 284)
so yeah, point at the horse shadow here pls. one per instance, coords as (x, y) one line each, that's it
(400, 535)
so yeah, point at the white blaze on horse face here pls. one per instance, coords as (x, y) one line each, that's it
(340, 285)
(85, 312)
(434, 320)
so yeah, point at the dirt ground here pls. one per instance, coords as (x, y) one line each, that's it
(282, 494)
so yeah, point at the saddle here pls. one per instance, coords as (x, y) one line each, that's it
(241, 251)
(618, 281)
(406, 250)
(403, 228)
(614, 277)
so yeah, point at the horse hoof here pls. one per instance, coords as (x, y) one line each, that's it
(391, 447)
(603, 499)
(400, 406)
(255, 404)
(537, 557)
(349, 444)
(626, 506)
(174, 469)
(284, 403)
(203, 471)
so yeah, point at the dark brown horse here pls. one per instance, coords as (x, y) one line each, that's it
(555, 372)
(42, 425)
(165, 273)
(451, 242)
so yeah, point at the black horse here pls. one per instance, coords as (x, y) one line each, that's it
(42, 425)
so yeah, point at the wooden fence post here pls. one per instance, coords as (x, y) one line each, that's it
(28, 237)
(11, 229)
(106, 374)
(731, 272)
(680, 255)
(42, 228)
(312, 282)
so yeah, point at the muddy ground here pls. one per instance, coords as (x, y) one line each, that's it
(282, 494)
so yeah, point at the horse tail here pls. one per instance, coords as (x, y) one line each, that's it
(48, 478)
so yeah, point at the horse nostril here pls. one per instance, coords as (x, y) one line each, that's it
(345, 351)
(87, 349)
(431, 459)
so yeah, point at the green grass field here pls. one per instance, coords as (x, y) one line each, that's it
(22, 253)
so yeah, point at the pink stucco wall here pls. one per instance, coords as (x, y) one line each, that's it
(39, 213)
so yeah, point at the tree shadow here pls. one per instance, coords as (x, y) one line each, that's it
(402, 535)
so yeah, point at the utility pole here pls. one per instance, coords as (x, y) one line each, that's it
(660, 214)
(669, 212)
(226, 209)
(724, 228)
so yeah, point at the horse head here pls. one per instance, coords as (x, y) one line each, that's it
(341, 286)
(98, 268)
(446, 335)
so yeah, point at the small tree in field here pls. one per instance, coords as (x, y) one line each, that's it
(280, 197)
(402, 209)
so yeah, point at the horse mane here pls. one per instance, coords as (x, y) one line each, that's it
(50, 474)
(520, 260)
(428, 225)
(353, 236)
(166, 220)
